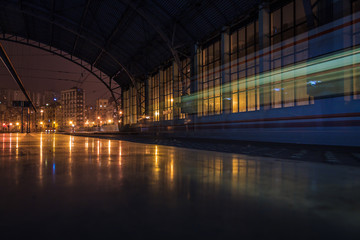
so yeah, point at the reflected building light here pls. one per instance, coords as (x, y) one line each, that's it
(17, 146)
(10, 143)
(86, 143)
(54, 144)
(70, 145)
(98, 150)
(218, 168)
(156, 155)
(172, 169)
(120, 153)
(41, 159)
(3, 147)
(109, 149)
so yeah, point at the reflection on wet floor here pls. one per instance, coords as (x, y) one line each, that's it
(109, 182)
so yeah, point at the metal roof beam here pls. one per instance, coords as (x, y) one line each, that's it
(46, 19)
(175, 20)
(81, 25)
(119, 23)
(6, 60)
(52, 25)
(156, 26)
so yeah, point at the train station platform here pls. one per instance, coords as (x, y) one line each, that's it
(64, 186)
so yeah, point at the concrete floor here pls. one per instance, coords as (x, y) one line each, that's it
(58, 186)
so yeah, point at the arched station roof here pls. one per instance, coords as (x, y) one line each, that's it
(125, 39)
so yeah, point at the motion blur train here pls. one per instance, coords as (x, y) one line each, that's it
(305, 89)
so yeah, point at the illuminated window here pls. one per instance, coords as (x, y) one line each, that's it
(167, 92)
(210, 101)
(154, 97)
(244, 67)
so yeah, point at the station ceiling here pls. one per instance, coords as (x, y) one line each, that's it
(121, 38)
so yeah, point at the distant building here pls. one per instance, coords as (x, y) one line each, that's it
(90, 116)
(73, 107)
(48, 97)
(18, 96)
(102, 109)
(52, 115)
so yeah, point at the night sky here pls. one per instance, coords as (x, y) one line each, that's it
(40, 70)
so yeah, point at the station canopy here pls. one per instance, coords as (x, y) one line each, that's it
(121, 38)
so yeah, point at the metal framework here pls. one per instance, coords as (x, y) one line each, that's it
(110, 34)
(68, 21)
(109, 83)
(7, 62)
(169, 43)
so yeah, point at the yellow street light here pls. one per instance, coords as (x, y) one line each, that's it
(17, 124)
(98, 117)
(41, 123)
(109, 121)
(71, 122)
(10, 124)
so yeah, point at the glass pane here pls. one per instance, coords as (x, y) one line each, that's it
(211, 54)
(217, 105)
(276, 22)
(235, 103)
(288, 93)
(276, 95)
(233, 42)
(288, 16)
(241, 38)
(356, 82)
(242, 101)
(217, 50)
(211, 106)
(300, 12)
(250, 34)
(356, 6)
(302, 98)
(251, 100)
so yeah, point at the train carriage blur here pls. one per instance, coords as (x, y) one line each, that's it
(299, 87)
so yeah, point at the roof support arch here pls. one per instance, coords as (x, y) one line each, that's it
(113, 87)
(156, 26)
(48, 17)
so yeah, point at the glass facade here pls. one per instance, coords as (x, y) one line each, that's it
(154, 106)
(167, 92)
(134, 104)
(245, 91)
(209, 80)
(283, 73)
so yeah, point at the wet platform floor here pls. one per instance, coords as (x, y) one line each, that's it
(58, 186)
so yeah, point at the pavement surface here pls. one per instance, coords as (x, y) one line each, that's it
(63, 186)
(312, 153)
